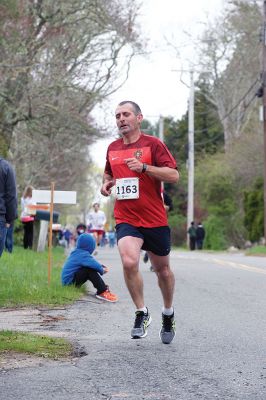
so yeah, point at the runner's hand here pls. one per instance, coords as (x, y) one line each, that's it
(106, 188)
(134, 164)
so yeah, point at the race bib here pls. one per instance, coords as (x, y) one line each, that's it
(127, 188)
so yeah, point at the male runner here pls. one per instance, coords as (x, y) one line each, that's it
(137, 164)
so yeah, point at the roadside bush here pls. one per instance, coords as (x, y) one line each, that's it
(254, 211)
(177, 224)
(215, 229)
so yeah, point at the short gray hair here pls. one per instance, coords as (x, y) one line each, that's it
(135, 106)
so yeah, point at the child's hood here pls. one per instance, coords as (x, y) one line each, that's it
(86, 242)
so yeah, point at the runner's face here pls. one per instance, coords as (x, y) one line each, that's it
(126, 120)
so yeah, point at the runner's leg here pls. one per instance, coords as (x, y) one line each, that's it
(129, 249)
(166, 278)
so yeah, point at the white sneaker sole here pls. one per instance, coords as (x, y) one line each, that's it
(145, 333)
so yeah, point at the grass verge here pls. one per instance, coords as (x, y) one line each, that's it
(42, 346)
(256, 251)
(24, 282)
(24, 279)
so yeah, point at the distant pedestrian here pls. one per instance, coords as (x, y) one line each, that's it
(81, 228)
(192, 236)
(68, 235)
(111, 238)
(200, 235)
(8, 200)
(26, 218)
(81, 267)
(96, 221)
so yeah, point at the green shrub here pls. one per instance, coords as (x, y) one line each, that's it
(254, 211)
(177, 224)
(215, 229)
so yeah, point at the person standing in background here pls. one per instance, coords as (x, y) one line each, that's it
(192, 236)
(8, 200)
(26, 218)
(96, 221)
(200, 235)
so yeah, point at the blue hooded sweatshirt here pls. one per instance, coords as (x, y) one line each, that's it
(80, 257)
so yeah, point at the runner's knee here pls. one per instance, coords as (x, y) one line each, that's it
(163, 272)
(130, 264)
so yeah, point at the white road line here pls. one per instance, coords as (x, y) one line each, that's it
(240, 266)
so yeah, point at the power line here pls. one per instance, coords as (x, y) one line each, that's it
(240, 100)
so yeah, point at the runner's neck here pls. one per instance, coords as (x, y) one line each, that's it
(132, 137)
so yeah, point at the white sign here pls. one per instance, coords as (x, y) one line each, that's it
(60, 197)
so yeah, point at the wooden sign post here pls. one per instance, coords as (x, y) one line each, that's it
(51, 197)
(50, 237)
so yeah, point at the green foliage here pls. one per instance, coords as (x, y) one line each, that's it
(208, 129)
(215, 228)
(221, 197)
(3, 146)
(177, 224)
(209, 135)
(254, 211)
(148, 128)
(214, 183)
(256, 250)
(10, 7)
(175, 137)
(18, 233)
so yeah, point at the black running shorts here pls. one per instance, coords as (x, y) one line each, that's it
(156, 240)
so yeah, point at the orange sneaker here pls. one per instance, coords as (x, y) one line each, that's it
(107, 296)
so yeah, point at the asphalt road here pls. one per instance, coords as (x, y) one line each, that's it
(219, 351)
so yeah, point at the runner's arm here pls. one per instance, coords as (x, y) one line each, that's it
(108, 183)
(164, 174)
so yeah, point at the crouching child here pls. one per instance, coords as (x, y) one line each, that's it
(81, 267)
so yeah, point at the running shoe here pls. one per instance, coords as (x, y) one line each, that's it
(107, 296)
(167, 332)
(142, 321)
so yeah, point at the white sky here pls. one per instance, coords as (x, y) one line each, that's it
(152, 82)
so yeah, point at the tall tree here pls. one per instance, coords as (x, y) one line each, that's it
(230, 58)
(57, 61)
(209, 136)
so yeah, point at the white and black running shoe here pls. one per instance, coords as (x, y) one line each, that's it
(142, 321)
(167, 332)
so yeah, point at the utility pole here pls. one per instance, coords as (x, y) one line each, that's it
(190, 162)
(161, 136)
(190, 204)
(264, 109)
